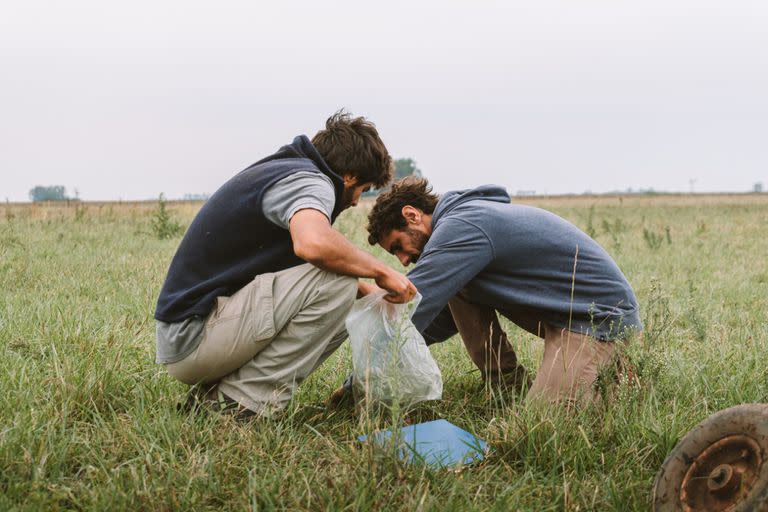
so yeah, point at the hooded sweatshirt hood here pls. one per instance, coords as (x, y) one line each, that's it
(451, 200)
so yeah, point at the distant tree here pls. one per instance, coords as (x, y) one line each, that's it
(50, 193)
(757, 187)
(406, 167)
(403, 167)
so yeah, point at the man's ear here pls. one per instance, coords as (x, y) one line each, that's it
(412, 215)
(349, 181)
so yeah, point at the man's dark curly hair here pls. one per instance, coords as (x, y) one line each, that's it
(387, 215)
(351, 145)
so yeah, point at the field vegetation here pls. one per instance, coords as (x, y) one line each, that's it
(89, 422)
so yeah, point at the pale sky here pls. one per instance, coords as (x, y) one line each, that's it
(125, 100)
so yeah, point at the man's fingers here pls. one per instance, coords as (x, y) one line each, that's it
(403, 296)
(396, 299)
(400, 297)
(400, 288)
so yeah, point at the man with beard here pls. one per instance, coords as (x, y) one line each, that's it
(257, 293)
(476, 255)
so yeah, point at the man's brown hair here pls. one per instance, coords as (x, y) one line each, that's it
(351, 145)
(387, 214)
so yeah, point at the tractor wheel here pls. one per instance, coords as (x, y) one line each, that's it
(721, 465)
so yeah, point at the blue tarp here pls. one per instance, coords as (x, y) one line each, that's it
(437, 443)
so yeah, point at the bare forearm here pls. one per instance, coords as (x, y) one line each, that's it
(315, 241)
(337, 254)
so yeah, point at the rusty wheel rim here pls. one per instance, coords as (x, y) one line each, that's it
(722, 475)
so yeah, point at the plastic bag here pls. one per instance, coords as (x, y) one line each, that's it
(390, 360)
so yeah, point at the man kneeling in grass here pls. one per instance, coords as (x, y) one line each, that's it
(257, 293)
(477, 255)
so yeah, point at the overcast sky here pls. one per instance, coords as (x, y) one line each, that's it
(124, 100)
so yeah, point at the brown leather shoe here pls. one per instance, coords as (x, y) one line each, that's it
(210, 398)
(342, 398)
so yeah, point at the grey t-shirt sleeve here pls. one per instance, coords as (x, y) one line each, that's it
(300, 190)
(177, 340)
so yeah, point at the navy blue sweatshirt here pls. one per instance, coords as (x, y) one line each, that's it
(230, 241)
(529, 264)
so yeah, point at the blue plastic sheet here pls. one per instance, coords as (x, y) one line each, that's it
(438, 443)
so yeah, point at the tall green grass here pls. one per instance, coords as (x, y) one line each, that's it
(88, 422)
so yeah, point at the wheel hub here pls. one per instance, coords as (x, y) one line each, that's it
(722, 475)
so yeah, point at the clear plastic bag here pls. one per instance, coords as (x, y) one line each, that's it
(391, 362)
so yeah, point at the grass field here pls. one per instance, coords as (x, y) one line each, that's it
(88, 422)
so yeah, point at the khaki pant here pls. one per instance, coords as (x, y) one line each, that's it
(263, 341)
(568, 371)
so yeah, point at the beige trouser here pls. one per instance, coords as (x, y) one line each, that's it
(263, 341)
(571, 362)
